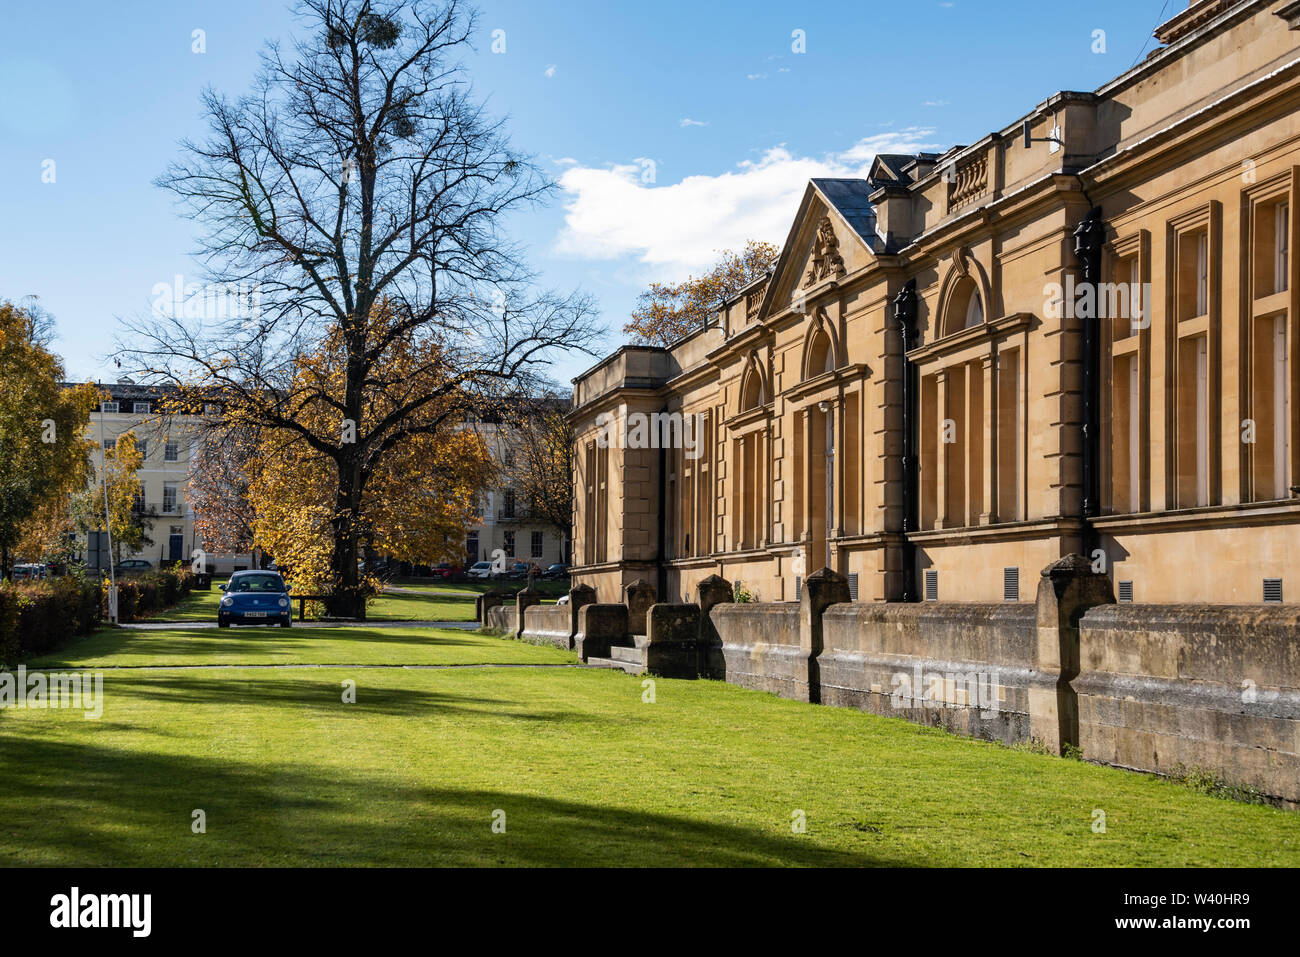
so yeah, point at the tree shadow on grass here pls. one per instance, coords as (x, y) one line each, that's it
(82, 804)
(252, 640)
(262, 689)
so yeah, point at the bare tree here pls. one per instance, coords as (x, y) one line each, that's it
(360, 189)
(539, 467)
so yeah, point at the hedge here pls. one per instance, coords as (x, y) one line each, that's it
(40, 617)
(139, 598)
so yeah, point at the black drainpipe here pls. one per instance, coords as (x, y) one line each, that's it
(905, 316)
(1088, 237)
(662, 578)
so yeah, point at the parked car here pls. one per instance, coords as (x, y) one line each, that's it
(446, 571)
(558, 570)
(28, 571)
(255, 598)
(520, 570)
(132, 566)
(480, 570)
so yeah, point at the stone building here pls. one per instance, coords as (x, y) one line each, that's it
(507, 524)
(1077, 334)
(166, 443)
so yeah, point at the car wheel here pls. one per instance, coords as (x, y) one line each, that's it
(286, 624)
(223, 624)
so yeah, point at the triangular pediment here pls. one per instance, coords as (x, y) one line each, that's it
(833, 234)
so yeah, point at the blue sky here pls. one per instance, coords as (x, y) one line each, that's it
(674, 128)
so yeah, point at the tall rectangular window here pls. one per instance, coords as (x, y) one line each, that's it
(536, 545)
(1270, 409)
(1281, 411)
(171, 451)
(169, 497)
(1280, 242)
(509, 544)
(1009, 429)
(1193, 283)
(1202, 274)
(1192, 423)
(1126, 432)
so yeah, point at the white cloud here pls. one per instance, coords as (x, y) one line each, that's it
(549, 71)
(687, 121)
(935, 103)
(755, 76)
(612, 213)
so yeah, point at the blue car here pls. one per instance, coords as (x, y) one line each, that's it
(255, 598)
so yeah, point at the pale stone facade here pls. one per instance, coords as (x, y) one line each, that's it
(167, 443)
(505, 524)
(956, 465)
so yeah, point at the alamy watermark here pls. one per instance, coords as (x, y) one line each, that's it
(83, 691)
(651, 430)
(193, 300)
(1102, 300)
(946, 689)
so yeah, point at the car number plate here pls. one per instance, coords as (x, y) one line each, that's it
(254, 614)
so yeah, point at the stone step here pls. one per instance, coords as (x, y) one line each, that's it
(631, 655)
(640, 640)
(631, 668)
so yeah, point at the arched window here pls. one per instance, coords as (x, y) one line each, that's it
(974, 311)
(751, 393)
(965, 307)
(821, 357)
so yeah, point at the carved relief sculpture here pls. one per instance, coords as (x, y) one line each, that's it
(826, 260)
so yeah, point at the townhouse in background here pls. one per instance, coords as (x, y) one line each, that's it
(169, 442)
(507, 523)
(915, 397)
(166, 445)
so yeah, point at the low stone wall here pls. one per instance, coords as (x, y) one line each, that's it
(966, 667)
(500, 620)
(1215, 686)
(1145, 687)
(600, 627)
(672, 640)
(549, 625)
(760, 647)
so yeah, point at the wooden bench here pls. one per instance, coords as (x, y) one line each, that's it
(302, 602)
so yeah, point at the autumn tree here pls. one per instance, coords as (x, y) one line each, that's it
(539, 466)
(668, 311)
(44, 454)
(360, 170)
(218, 488)
(128, 520)
(417, 500)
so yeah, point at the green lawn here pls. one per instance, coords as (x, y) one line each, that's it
(434, 606)
(585, 771)
(552, 589)
(301, 644)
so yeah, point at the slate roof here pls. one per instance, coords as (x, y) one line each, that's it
(850, 199)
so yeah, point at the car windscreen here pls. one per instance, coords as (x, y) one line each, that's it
(257, 583)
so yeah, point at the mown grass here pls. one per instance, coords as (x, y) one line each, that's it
(437, 605)
(585, 769)
(301, 644)
(549, 588)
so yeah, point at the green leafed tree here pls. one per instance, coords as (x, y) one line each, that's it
(667, 311)
(44, 453)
